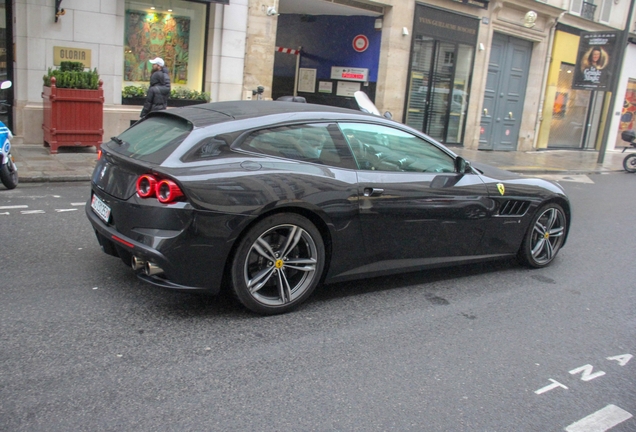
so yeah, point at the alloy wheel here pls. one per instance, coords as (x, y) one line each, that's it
(547, 235)
(281, 265)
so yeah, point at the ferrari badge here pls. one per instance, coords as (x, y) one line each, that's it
(501, 188)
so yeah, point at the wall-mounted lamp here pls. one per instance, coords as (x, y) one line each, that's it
(529, 19)
(58, 12)
(405, 31)
(271, 11)
(481, 46)
(377, 24)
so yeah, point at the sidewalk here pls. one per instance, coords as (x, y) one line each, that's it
(35, 164)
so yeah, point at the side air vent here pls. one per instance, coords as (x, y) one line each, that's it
(513, 208)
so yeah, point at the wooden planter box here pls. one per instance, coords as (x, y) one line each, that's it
(73, 117)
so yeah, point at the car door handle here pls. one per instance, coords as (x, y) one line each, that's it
(369, 192)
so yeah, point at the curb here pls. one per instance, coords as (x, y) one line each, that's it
(51, 179)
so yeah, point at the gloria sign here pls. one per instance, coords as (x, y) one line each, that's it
(595, 62)
(61, 54)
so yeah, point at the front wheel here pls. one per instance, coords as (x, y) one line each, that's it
(9, 174)
(629, 163)
(278, 264)
(545, 236)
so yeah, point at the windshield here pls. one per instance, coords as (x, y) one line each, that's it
(154, 139)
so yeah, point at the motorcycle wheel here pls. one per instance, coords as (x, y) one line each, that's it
(9, 174)
(629, 163)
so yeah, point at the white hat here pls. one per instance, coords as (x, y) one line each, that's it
(157, 61)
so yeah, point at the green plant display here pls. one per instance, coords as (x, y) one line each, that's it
(133, 91)
(72, 75)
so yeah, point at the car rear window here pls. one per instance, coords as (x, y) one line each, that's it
(153, 139)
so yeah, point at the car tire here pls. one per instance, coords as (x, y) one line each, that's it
(9, 174)
(545, 236)
(278, 264)
(629, 163)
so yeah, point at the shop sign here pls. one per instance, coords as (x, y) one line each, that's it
(61, 54)
(441, 24)
(596, 61)
(349, 73)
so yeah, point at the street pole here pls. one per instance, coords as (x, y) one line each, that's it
(622, 45)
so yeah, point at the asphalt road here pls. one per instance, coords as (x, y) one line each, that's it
(84, 345)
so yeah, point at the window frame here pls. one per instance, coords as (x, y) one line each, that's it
(406, 163)
(340, 146)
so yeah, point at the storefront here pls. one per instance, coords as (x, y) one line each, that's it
(571, 114)
(440, 70)
(174, 30)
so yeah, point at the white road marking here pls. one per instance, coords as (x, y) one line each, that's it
(65, 210)
(549, 387)
(586, 372)
(32, 211)
(622, 359)
(602, 420)
(578, 178)
(13, 207)
(5, 213)
(78, 204)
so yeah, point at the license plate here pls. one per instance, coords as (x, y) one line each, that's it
(101, 209)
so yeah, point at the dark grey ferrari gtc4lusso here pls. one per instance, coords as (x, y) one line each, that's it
(273, 198)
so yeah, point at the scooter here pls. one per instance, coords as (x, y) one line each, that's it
(8, 169)
(629, 163)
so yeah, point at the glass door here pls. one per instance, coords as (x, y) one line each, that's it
(569, 112)
(438, 88)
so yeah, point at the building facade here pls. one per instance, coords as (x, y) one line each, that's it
(490, 75)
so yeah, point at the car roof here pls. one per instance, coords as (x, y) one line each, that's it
(217, 112)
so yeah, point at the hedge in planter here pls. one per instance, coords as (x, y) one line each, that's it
(136, 95)
(73, 107)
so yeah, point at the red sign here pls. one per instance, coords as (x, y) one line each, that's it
(352, 76)
(360, 43)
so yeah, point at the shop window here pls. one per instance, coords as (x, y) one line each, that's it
(569, 111)
(171, 29)
(628, 116)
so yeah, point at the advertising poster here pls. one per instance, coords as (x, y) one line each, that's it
(596, 61)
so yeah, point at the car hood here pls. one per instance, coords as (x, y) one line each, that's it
(494, 172)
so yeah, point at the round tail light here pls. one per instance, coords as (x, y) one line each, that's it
(146, 186)
(168, 191)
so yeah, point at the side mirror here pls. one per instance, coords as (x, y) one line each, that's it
(462, 166)
(388, 115)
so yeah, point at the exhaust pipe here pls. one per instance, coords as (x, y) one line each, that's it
(152, 269)
(137, 263)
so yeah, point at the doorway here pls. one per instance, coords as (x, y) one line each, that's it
(438, 88)
(570, 127)
(505, 93)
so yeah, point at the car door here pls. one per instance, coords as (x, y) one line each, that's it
(412, 204)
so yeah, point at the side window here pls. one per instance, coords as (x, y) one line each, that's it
(207, 148)
(316, 143)
(384, 148)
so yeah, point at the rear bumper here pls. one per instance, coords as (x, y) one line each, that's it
(191, 259)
